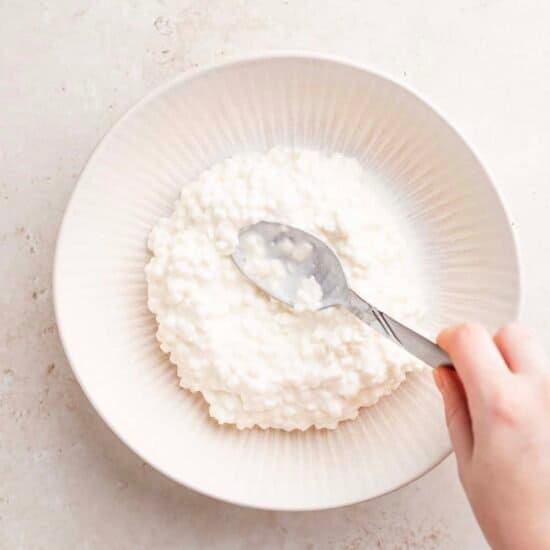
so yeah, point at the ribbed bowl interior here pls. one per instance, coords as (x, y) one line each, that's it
(450, 212)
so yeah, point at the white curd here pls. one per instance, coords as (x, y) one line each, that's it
(255, 361)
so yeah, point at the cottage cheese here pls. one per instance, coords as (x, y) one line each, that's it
(309, 295)
(278, 270)
(255, 361)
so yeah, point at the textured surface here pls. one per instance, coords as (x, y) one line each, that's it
(254, 360)
(67, 71)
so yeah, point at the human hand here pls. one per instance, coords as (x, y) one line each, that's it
(497, 406)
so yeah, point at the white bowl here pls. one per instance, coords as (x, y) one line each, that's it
(450, 210)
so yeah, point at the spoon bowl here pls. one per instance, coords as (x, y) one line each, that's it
(300, 254)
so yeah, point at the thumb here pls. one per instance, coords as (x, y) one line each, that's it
(457, 414)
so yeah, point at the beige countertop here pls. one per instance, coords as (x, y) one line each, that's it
(68, 70)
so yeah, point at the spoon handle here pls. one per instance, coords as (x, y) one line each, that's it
(415, 343)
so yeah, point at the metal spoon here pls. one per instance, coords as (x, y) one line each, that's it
(304, 256)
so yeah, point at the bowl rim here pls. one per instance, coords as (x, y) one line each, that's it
(197, 72)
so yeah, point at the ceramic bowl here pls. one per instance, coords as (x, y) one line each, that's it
(450, 211)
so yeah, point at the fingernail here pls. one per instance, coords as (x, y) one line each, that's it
(443, 336)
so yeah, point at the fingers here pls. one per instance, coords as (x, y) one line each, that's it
(519, 349)
(456, 413)
(476, 359)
